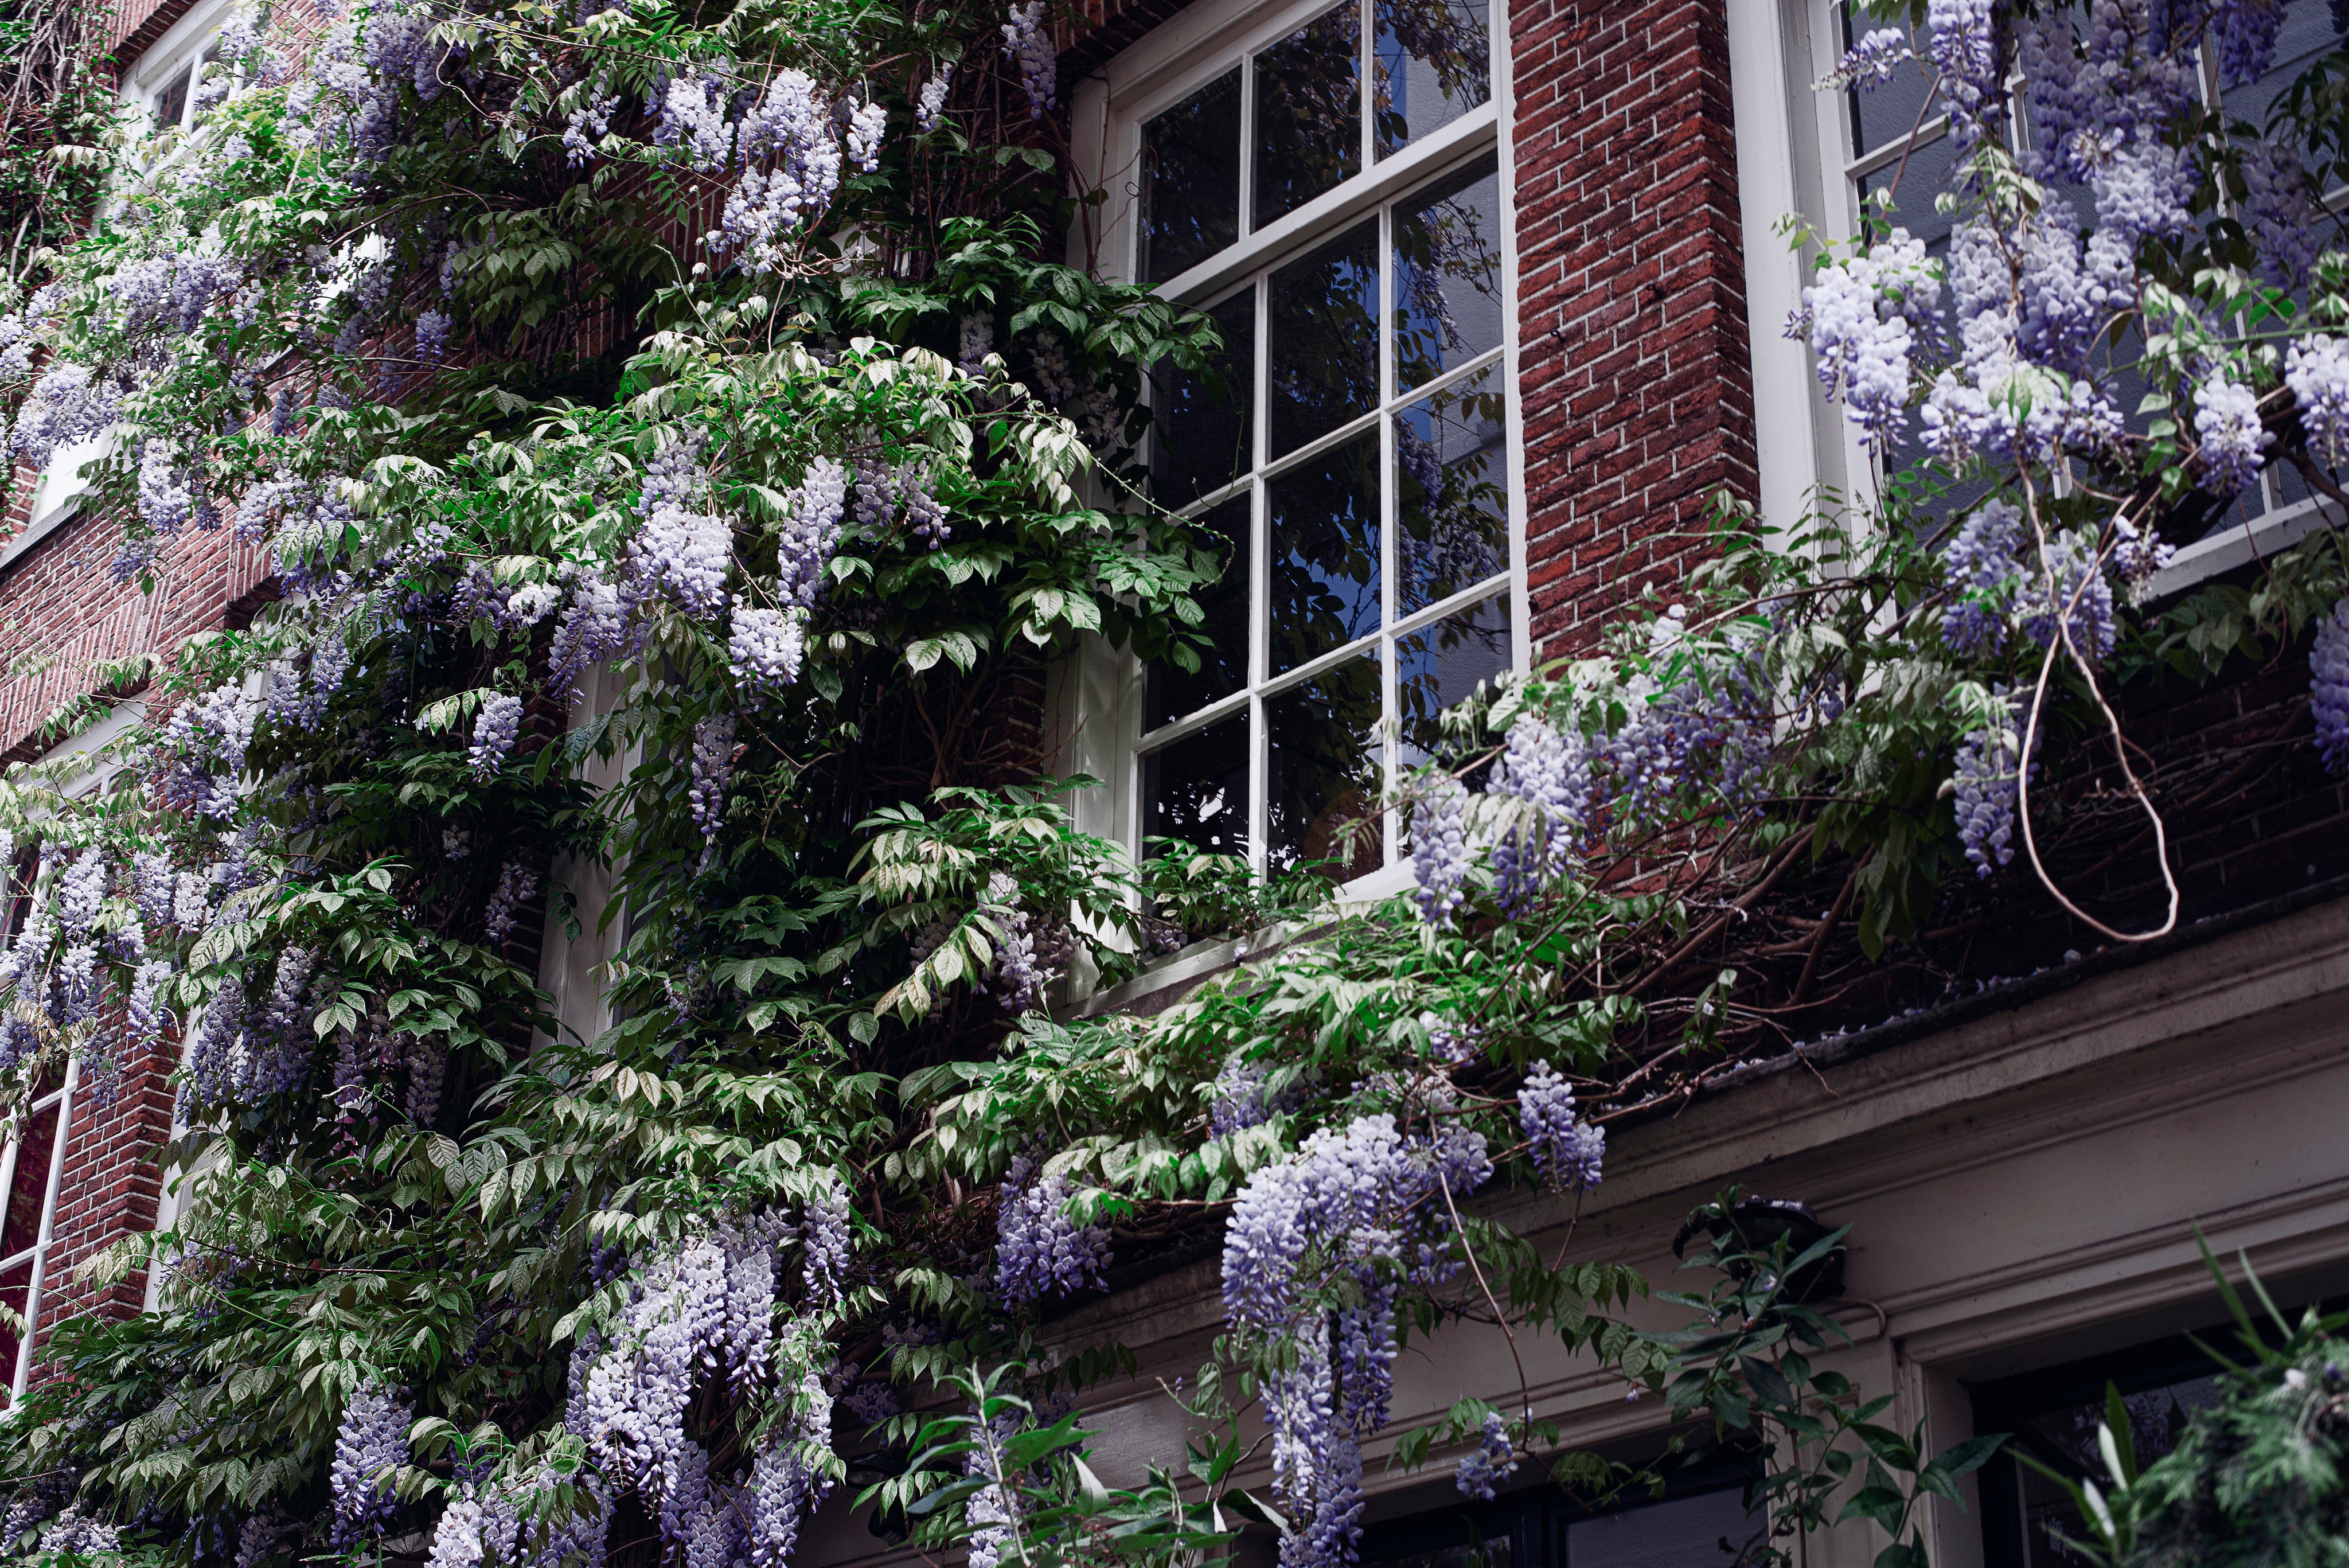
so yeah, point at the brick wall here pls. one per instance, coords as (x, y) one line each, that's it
(109, 1189)
(1635, 372)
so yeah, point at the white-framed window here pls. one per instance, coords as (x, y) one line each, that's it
(32, 1165)
(167, 81)
(1328, 183)
(1890, 147)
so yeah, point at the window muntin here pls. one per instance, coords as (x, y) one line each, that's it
(1350, 453)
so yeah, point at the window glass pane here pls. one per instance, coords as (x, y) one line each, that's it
(172, 103)
(1191, 179)
(1888, 112)
(1324, 518)
(1196, 789)
(1308, 110)
(1451, 494)
(2311, 28)
(1433, 64)
(1324, 359)
(1222, 670)
(1447, 259)
(1324, 777)
(1203, 430)
(30, 1185)
(2066, 1440)
(1436, 666)
(1914, 182)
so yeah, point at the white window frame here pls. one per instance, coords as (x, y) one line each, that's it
(1096, 700)
(182, 44)
(1803, 43)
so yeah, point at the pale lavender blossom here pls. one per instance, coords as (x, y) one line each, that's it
(494, 733)
(1567, 1151)
(2226, 425)
(1027, 42)
(1494, 1460)
(1040, 1252)
(2316, 369)
(766, 648)
(1439, 849)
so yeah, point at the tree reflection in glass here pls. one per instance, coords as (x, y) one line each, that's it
(1324, 518)
(1324, 773)
(1308, 108)
(1201, 422)
(1451, 501)
(1438, 665)
(1223, 668)
(1191, 179)
(1196, 789)
(1324, 360)
(1432, 63)
(1447, 258)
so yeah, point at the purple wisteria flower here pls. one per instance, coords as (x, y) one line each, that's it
(2227, 424)
(1028, 43)
(372, 1439)
(1987, 785)
(2317, 370)
(2328, 686)
(1494, 1461)
(1039, 1250)
(1861, 315)
(516, 886)
(494, 733)
(1567, 1151)
(1548, 770)
(1439, 849)
(765, 649)
(1979, 564)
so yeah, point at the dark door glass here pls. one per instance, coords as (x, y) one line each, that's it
(1451, 491)
(1438, 665)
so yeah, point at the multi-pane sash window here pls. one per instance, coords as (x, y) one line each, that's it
(1349, 452)
(1898, 160)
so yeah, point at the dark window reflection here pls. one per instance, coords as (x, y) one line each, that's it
(1323, 788)
(1309, 108)
(1172, 692)
(1201, 422)
(1451, 491)
(1433, 65)
(1191, 179)
(1196, 789)
(1447, 261)
(1324, 519)
(1887, 113)
(1436, 666)
(1324, 363)
(172, 103)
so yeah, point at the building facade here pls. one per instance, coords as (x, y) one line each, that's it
(1504, 291)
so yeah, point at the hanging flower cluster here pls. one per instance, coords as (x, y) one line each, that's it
(1363, 1204)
